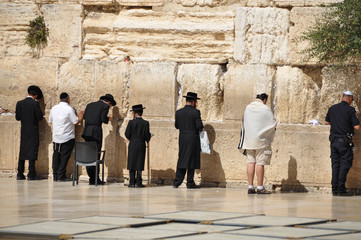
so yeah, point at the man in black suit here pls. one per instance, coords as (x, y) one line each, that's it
(137, 133)
(28, 112)
(95, 114)
(188, 121)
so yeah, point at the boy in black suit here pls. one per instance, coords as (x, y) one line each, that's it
(137, 133)
(29, 113)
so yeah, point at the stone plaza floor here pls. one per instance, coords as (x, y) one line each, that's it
(52, 210)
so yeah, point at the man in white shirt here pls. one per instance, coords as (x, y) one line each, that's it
(258, 131)
(63, 118)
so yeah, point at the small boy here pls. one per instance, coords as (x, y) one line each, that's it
(137, 133)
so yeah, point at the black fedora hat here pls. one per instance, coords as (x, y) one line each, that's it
(33, 89)
(110, 98)
(137, 108)
(191, 95)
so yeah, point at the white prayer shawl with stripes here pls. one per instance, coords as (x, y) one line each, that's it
(258, 126)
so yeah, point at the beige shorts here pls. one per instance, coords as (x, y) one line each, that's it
(260, 156)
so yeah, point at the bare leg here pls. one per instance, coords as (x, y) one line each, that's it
(250, 172)
(260, 174)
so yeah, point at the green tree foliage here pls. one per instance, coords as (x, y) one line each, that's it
(38, 33)
(336, 37)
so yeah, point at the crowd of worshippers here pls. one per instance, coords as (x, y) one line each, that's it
(257, 134)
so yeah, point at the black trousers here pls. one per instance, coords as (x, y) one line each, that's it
(61, 155)
(21, 168)
(180, 174)
(341, 159)
(91, 170)
(135, 180)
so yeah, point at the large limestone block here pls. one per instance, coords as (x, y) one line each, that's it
(9, 143)
(145, 35)
(112, 77)
(303, 18)
(301, 156)
(209, 3)
(65, 31)
(261, 35)
(141, 2)
(302, 3)
(17, 74)
(297, 95)
(154, 86)
(335, 82)
(207, 81)
(259, 3)
(77, 78)
(14, 22)
(242, 84)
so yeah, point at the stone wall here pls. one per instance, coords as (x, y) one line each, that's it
(226, 51)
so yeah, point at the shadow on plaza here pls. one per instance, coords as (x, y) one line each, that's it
(291, 184)
(212, 173)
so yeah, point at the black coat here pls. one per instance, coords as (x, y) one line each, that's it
(188, 121)
(29, 113)
(138, 133)
(95, 114)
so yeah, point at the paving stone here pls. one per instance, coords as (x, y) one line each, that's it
(269, 221)
(347, 225)
(198, 216)
(287, 232)
(218, 236)
(54, 228)
(133, 233)
(195, 227)
(117, 221)
(351, 236)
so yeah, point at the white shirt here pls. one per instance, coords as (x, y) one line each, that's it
(63, 118)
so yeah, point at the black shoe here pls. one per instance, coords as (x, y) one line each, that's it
(193, 186)
(251, 191)
(100, 182)
(344, 194)
(140, 185)
(20, 177)
(131, 186)
(175, 186)
(34, 178)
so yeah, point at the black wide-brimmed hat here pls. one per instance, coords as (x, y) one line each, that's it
(110, 98)
(35, 89)
(137, 108)
(192, 95)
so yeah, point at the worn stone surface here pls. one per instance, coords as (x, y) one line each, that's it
(302, 18)
(301, 3)
(154, 86)
(17, 74)
(335, 82)
(242, 84)
(9, 142)
(207, 81)
(14, 21)
(78, 79)
(141, 2)
(145, 35)
(207, 3)
(64, 22)
(258, 3)
(261, 35)
(298, 89)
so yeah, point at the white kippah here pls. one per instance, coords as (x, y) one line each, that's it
(348, 93)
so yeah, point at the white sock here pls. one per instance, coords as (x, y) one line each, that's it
(259, 187)
(251, 186)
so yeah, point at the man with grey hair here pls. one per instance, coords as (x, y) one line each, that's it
(63, 118)
(343, 120)
(258, 130)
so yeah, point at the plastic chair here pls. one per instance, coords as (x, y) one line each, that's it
(86, 154)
